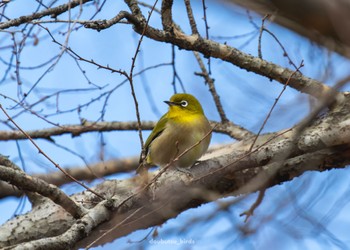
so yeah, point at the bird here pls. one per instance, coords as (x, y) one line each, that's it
(180, 137)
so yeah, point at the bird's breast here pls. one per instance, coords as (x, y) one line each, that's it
(181, 135)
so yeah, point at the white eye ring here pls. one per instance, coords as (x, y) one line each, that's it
(184, 103)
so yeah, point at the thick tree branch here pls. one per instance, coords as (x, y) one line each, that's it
(166, 14)
(30, 183)
(166, 203)
(227, 53)
(78, 230)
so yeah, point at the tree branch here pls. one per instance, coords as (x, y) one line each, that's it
(227, 53)
(53, 12)
(30, 183)
(74, 130)
(87, 173)
(228, 128)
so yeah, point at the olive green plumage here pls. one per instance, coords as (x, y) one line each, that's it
(179, 129)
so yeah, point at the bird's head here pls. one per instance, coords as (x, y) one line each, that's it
(182, 104)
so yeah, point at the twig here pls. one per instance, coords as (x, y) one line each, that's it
(260, 35)
(258, 201)
(175, 74)
(274, 105)
(191, 18)
(206, 30)
(130, 78)
(48, 12)
(212, 89)
(77, 56)
(285, 54)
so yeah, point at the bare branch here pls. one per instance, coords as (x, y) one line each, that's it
(229, 128)
(191, 18)
(130, 78)
(53, 12)
(273, 106)
(227, 53)
(212, 89)
(74, 130)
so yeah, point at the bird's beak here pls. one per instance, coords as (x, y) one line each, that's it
(170, 103)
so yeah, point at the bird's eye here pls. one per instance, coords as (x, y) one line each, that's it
(184, 103)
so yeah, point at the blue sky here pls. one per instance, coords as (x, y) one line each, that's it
(246, 97)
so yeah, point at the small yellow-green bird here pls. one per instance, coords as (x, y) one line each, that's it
(179, 130)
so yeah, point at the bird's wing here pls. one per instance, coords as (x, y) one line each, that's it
(157, 130)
